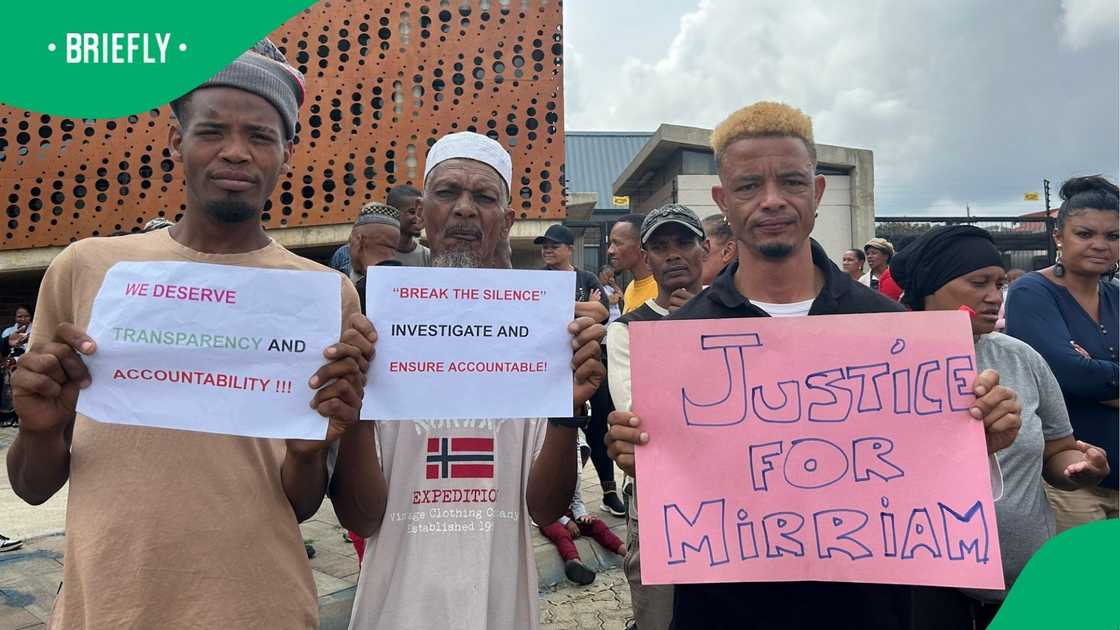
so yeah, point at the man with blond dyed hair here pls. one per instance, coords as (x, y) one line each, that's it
(769, 192)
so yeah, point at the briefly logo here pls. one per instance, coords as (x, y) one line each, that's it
(460, 458)
(117, 48)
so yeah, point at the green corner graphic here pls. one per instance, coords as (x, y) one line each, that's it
(113, 59)
(1070, 583)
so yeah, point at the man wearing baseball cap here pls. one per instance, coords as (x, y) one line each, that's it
(556, 251)
(673, 247)
(879, 252)
(157, 520)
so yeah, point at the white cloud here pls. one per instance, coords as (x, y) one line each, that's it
(1088, 22)
(956, 100)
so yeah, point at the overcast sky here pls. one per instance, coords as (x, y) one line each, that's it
(961, 101)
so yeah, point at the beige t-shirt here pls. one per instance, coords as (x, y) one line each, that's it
(420, 256)
(174, 529)
(454, 550)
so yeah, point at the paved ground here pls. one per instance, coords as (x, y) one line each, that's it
(30, 577)
(603, 605)
(20, 520)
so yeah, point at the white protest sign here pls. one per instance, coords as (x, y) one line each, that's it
(211, 348)
(469, 343)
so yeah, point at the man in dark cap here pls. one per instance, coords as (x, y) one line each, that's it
(556, 251)
(157, 520)
(675, 250)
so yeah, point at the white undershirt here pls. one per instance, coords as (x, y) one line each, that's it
(793, 309)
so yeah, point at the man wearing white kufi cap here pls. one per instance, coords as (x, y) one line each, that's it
(466, 199)
(449, 546)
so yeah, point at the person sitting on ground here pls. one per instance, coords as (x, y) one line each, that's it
(958, 266)
(577, 522)
(852, 263)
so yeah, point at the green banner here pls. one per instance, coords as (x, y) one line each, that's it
(113, 59)
(1069, 583)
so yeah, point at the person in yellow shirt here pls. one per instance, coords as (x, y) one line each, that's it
(625, 252)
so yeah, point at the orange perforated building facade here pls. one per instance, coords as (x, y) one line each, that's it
(385, 80)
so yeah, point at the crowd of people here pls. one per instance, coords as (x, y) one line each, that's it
(157, 520)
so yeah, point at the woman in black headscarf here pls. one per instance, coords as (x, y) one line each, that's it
(959, 268)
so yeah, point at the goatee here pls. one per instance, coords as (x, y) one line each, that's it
(230, 211)
(775, 251)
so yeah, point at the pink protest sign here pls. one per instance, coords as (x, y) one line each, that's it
(833, 448)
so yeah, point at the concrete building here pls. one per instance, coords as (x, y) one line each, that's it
(593, 160)
(360, 133)
(676, 165)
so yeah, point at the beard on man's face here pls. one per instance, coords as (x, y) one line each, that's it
(460, 244)
(775, 251)
(456, 259)
(230, 211)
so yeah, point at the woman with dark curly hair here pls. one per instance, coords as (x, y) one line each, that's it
(1068, 313)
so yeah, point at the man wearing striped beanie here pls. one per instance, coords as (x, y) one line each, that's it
(158, 520)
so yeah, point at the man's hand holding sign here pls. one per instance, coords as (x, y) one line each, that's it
(508, 333)
(340, 384)
(753, 471)
(588, 371)
(47, 392)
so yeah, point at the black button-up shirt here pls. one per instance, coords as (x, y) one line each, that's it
(840, 295)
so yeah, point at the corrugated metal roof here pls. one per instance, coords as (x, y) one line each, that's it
(594, 159)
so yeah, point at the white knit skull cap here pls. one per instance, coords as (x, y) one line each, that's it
(471, 146)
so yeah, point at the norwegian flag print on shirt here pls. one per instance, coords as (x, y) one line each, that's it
(460, 458)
